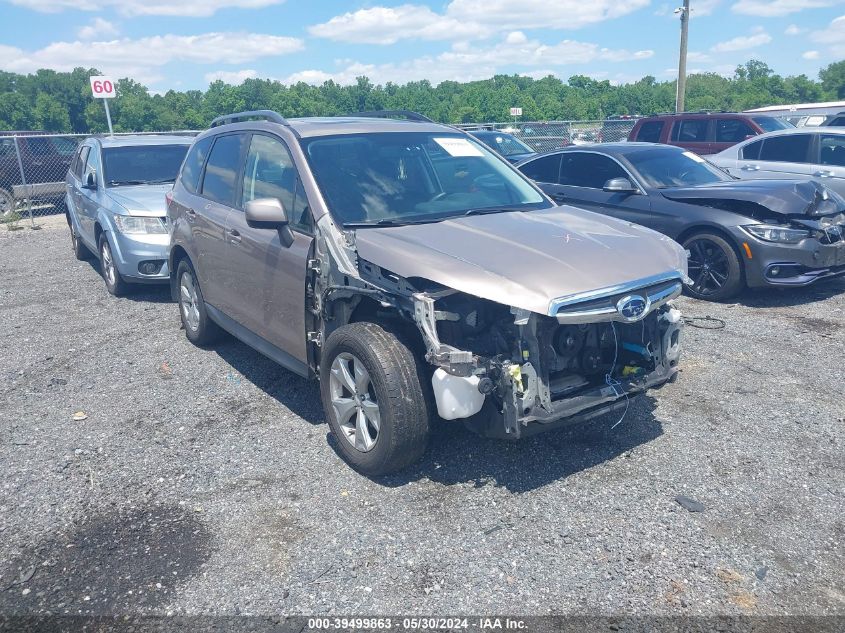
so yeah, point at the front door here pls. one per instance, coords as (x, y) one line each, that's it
(267, 277)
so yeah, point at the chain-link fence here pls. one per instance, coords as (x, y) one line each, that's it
(33, 167)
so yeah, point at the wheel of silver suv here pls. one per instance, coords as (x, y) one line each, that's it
(114, 282)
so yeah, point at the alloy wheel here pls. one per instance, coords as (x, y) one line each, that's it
(708, 266)
(108, 264)
(189, 301)
(354, 402)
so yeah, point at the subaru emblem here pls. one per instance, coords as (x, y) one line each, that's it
(632, 308)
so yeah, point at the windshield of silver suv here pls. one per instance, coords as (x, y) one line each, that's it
(663, 169)
(385, 178)
(142, 164)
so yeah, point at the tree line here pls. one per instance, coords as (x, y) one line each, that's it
(61, 102)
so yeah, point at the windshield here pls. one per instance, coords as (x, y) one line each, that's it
(670, 168)
(142, 164)
(770, 124)
(505, 144)
(391, 178)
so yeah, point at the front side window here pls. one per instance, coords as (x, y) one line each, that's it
(221, 170)
(789, 148)
(544, 169)
(194, 161)
(666, 167)
(732, 130)
(650, 132)
(833, 150)
(690, 131)
(408, 177)
(92, 165)
(142, 164)
(270, 173)
(583, 169)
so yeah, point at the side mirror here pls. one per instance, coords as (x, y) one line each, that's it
(619, 185)
(269, 213)
(90, 181)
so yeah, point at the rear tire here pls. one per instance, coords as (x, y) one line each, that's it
(714, 267)
(373, 398)
(199, 328)
(80, 251)
(108, 268)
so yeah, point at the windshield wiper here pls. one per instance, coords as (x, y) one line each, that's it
(159, 181)
(118, 183)
(389, 222)
(489, 210)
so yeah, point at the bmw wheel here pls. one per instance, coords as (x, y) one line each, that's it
(714, 267)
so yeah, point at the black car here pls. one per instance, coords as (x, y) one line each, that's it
(513, 150)
(738, 232)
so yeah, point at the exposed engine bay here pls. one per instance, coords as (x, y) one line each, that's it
(510, 372)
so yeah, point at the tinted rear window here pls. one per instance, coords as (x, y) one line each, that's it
(690, 131)
(222, 167)
(791, 148)
(650, 132)
(752, 150)
(192, 168)
(838, 122)
(770, 124)
(545, 169)
(732, 130)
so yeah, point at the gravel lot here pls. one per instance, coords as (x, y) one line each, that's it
(204, 481)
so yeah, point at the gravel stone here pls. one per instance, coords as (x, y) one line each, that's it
(203, 481)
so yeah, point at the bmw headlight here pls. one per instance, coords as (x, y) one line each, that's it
(775, 233)
(133, 225)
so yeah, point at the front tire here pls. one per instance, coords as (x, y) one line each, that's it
(199, 328)
(115, 284)
(714, 267)
(373, 398)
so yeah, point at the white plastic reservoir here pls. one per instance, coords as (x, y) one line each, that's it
(457, 396)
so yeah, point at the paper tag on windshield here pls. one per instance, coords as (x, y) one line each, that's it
(458, 147)
(695, 157)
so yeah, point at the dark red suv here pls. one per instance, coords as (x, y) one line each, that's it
(703, 132)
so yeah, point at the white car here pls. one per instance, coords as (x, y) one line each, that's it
(811, 153)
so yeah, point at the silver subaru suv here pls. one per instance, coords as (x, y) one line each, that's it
(416, 274)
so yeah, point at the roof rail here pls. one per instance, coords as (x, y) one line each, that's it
(387, 114)
(267, 115)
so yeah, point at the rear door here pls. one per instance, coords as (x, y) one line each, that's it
(830, 168)
(692, 134)
(218, 193)
(267, 277)
(780, 156)
(581, 184)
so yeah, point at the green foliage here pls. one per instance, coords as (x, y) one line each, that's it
(61, 102)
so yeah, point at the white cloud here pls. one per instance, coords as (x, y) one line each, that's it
(776, 8)
(833, 36)
(697, 57)
(98, 27)
(700, 8)
(464, 63)
(468, 19)
(194, 8)
(743, 42)
(794, 29)
(233, 77)
(810, 55)
(139, 57)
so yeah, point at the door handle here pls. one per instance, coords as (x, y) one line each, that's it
(234, 236)
(751, 168)
(824, 173)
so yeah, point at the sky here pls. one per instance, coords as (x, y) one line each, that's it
(186, 44)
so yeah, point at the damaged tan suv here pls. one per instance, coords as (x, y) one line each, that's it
(415, 272)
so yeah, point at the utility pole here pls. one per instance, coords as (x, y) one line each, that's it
(682, 58)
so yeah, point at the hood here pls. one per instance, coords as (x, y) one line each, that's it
(527, 259)
(783, 197)
(141, 200)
